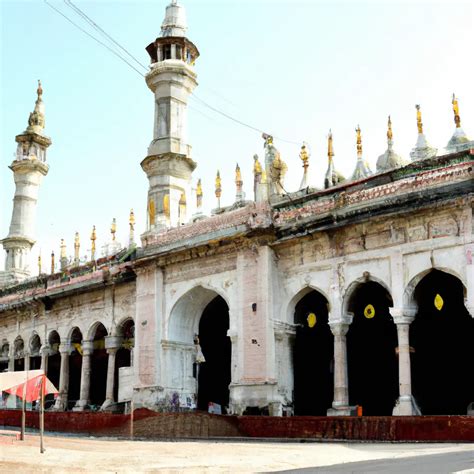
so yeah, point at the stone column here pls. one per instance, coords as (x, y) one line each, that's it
(11, 359)
(405, 405)
(44, 351)
(26, 358)
(87, 350)
(112, 344)
(61, 401)
(340, 405)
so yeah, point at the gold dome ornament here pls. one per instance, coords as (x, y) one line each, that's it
(369, 311)
(438, 302)
(311, 320)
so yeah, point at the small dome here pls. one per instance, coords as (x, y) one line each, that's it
(175, 23)
(390, 160)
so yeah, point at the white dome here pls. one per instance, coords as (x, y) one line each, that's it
(175, 23)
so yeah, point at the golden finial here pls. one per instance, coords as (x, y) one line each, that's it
(113, 229)
(389, 130)
(330, 147)
(131, 220)
(257, 167)
(419, 123)
(238, 175)
(77, 245)
(63, 250)
(359, 141)
(39, 264)
(304, 156)
(93, 239)
(199, 194)
(457, 118)
(52, 262)
(218, 184)
(39, 91)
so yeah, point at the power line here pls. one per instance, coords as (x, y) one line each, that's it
(102, 31)
(93, 37)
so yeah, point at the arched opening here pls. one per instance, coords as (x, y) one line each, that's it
(371, 350)
(214, 374)
(99, 362)
(35, 356)
(19, 354)
(4, 356)
(442, 337)
(124, 357)
(75, 367)
(53, 367)
(313, 356)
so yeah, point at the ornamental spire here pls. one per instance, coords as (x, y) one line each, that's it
(131, 223)
(199, 195)
(36, 119)
(218, 184)
(93, 239)
(77, 246)
(419, 123)
(113, 229)
(239, 195)
(389, 130)
(362, 169)
(330, 146)
(304, 157)
(457, 118)
(332, 177)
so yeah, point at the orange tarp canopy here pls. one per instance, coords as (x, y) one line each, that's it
(26, 384)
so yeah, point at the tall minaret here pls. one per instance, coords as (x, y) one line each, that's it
(29, 167)
(172, 79)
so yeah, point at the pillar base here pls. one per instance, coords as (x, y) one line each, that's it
(60, 405)
(81, 405)
(106, 406)
(406, 406)
(342, 411)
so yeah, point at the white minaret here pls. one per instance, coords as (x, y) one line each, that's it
(29, 167)
(169, 165)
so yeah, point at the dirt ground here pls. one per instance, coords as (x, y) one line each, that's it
(93, 455)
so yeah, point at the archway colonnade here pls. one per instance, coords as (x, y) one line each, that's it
(84, 368)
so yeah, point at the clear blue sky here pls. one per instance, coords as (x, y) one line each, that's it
(292, 68)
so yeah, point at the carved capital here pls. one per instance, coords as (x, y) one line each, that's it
(87, 348)
(113, 342)
(339, 328)
(403, 315)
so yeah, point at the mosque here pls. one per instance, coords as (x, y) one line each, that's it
(358, 297)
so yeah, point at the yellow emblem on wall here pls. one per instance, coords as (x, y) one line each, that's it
(438, 302)
(369, 311)
(311, 320)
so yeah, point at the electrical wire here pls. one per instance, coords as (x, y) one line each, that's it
(102, 31)
(93, 37)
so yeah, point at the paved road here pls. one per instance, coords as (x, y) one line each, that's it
(433, 464)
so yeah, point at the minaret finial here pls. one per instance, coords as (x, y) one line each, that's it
(238, 184)
(39, 91)
(93, 239)
(457, 118)
(359, 141)
(419, 123)
(304, 157)
(330, 146)
(62, 255)
(77, 246)
(218, 184)
(52, 262)
(131, 223)
(199, 195)
(389, 129)
(113, 229)
(39, 263)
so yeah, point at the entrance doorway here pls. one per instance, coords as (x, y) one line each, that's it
(442, 337)
(214, 374)
(371, 351)
(313, 357)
